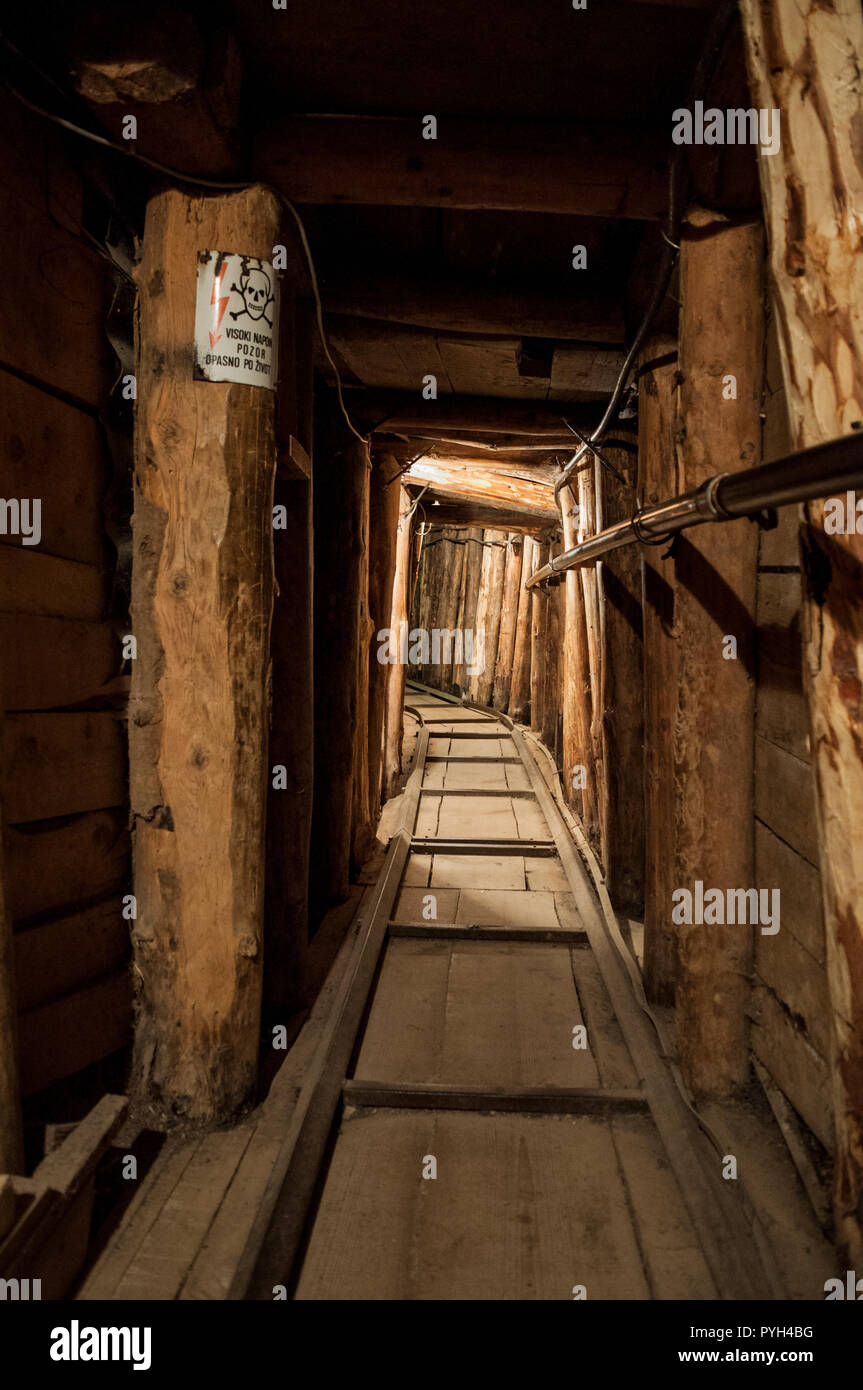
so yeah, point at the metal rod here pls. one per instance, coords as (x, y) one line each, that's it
(801, 477)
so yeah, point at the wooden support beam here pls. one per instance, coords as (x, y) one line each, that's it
(541, 166)
(472, 574)
(807, 65)
(498, 491)
(291, 745)
(405, 412)
(180, 82)
(519, 692)
(508, 614)
(447, 511)
(579, 769)
(488, 613)
(201, 607)
(341, 628)
(538, 650)
(552, 722)
(619, 576)
(383, 547)
(397, 672)
(11, 1125)
(588, 524)
(462, 306)
(657, 471)
(721, 333)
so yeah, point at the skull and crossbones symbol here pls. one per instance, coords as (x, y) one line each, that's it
(256, 291)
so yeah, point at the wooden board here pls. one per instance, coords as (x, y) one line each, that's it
(799, 1072)
(475, 1014)
(92, 1023)
(57, 764)
(67, 862)
(522, 1208)
(43, 585)
(56, 452)
(56, 957)
(784, 797)
(54, 662)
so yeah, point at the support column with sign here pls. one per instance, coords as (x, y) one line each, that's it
(202, 596)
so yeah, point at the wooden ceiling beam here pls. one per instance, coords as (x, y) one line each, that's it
(489, 417)
(449, 513)
(539, 166)
(449, 305)
(500, 490)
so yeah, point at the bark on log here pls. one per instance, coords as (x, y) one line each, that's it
(488, 613)
(619, 582)
(11, 1125)
(508, 615)
(538, 613)
(657, 467)
(519, 694)
(807, 63)
(292, 730)
(467, 621)
(341, 472)
(396, 672)
(588, 524)
(721, 334)
(384, 521)
(201, 607)
(579, 768)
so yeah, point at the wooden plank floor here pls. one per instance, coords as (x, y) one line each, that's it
(523, 1206)
(556, 1168)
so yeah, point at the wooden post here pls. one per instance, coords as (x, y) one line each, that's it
(552, 643)
(289, 801)
(201, 607)
(11, 1128)
(488, 612)
(341, 578)
(588, 524)
(538, 612)
(467, 620)
(384, 522)
(519, 693)
(447, 619)
(619, 582)
(362, 834)
(396, 672)
(657, 471)
(806, 64)
(577, 695)
(721, 338)
(508, 614)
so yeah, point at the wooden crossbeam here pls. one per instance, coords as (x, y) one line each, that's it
(545, 1101)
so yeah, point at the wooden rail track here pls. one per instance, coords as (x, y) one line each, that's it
(452, 1138)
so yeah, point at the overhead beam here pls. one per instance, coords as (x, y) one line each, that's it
(398, 412)
(537, 166)
(465, 513)
(450, 305)
(492, 489)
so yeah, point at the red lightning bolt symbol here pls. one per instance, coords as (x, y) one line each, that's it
(222, 300)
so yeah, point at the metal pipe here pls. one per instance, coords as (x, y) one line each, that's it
(801, 477)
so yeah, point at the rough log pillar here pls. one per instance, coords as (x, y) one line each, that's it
(538, 614)
(396, 672)
(657, 473)
(488, 612)
(508, 614)
(450, 603)
(807, 62)
(588, 524)
(292, 731)
(721, 337)
(205, 457)
(383, 530)
(341, 528)
(619, 578)
(362, 832)
(519, 692)
(553, 667)
(580, 791)
(472, 572)
(11, 1127)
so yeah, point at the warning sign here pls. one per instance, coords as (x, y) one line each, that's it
(236, 319)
